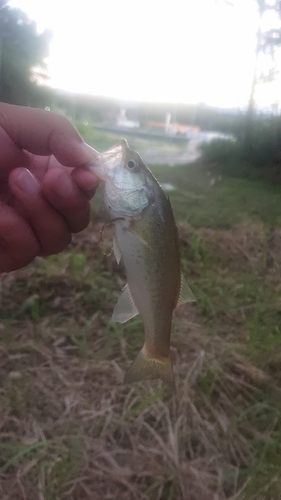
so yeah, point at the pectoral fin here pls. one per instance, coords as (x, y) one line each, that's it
(116, 250)
(125, 308)
(186, 294)
(133, 228)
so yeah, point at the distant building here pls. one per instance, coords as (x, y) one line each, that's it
(173, 129)
(122, 120)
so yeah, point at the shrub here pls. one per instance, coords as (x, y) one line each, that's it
(219, 150)
(264, 146)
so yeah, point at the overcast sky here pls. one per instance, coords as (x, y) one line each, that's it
(157, 50)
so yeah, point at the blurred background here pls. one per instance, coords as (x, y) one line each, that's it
(174, 71)
(195, 87)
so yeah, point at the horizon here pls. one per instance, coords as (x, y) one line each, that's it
(132, 102)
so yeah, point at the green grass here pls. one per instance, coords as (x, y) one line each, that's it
(228, 202)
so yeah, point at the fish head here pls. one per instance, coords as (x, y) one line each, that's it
(126, 178)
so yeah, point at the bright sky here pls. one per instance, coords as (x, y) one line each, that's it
(155, 50)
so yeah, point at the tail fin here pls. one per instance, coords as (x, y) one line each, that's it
(145, 367)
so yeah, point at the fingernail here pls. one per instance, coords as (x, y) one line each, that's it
(90, 153)
(28, 183)
(64, 185)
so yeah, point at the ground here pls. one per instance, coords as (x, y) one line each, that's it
(70, 429)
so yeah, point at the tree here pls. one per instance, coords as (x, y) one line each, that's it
(267, 41)
(22, 53)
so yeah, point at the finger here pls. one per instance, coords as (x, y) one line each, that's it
(49, 227)
(11, 155)
(86, 181)
(83, 177)
(18, 244)
(37, 165)
(43, 133)
(64, 195)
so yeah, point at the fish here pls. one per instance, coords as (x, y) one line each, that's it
(146, 239)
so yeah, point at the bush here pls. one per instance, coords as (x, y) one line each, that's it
(264, 148)
(261, 147)
(219, 150)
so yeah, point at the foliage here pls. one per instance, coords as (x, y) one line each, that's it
(262, 150)
(266, 142)
(220, 149)
(22, 53)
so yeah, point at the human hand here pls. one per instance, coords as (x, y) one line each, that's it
(44, 184)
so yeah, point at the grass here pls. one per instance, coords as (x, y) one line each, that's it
(226, 203)
(69, 428)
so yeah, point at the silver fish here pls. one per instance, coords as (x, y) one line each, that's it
(146, 238)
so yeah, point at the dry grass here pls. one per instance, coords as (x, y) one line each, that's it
(70, 429)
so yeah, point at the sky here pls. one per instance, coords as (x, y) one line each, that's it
(185, 51)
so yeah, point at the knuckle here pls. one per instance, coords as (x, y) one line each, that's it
(61, 123)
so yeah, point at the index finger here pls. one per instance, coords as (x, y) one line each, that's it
(45, 133)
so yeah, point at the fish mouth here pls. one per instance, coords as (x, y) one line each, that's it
(106, 162)
(100, 168)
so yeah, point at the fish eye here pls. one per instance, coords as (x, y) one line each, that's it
(131, 164)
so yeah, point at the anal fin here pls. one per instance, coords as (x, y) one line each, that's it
(186, 294)
(125, 308)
